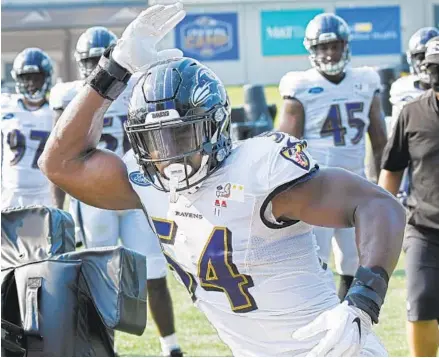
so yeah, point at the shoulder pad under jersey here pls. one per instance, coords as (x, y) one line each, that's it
(402, 89)
(293, 84)
(368, 76)
(8, 100)
(63, 93)
(273, 159)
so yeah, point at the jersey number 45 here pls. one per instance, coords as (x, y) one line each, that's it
(333, 124)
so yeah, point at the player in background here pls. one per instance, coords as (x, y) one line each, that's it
(25, 126)
(332, 106)
(98, 227)
(414, 145)
(249, 264)
(410, 87)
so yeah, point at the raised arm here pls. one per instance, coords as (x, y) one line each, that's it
(71, 159)
(73, 163)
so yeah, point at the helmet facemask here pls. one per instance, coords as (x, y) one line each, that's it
(31, 83)
(87, 65)
(325, 63)
(417, 68)
(176, 153)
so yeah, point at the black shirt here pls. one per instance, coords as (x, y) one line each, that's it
(415, 144)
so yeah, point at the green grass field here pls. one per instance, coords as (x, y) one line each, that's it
(198, 338)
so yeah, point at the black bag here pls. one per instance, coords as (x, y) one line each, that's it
(35, 233)
(65, 304)
(255, 117)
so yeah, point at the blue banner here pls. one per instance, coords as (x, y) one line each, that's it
(209, 37)
(436, 15)
(282, 32)
(375, 30)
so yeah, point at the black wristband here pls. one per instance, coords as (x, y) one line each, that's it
(368, 291)
(109, 79)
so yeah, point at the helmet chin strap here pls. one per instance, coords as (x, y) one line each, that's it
(176, 172)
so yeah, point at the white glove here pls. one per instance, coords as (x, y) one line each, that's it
(346, 329)
(136, 49)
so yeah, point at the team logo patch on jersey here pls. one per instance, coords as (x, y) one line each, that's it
(8, 116)
(316, 90)
(139, 179)
(294, 152)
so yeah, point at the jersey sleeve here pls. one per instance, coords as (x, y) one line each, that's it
(373, 79)
(288, 164)
(292, 85)
(61, 95)
(395, 90)
(5, 100)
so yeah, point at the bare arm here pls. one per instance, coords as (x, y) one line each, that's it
(292, 118)
(72, 161)
(377, 132)
(391, 181)
(337, 198)
(58, 195)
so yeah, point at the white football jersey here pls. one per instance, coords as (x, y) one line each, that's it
(24, 135)
(403, 90)
(336, 115)
(113, 131)
(257, 280)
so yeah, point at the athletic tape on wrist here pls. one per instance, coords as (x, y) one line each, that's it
(109, 79)
(367, 292)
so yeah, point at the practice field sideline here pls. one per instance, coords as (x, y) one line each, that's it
(198, 338)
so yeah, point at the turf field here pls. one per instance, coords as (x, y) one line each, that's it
(198, 338)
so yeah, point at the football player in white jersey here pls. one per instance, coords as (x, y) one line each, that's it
(234, 223)
(98, 227)
(25, 126)
(409, 87)
(332, 106)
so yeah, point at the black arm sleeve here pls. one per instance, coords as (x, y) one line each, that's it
(396, 154)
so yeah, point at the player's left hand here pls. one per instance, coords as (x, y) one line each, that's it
(345, 330)
(136, 49)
